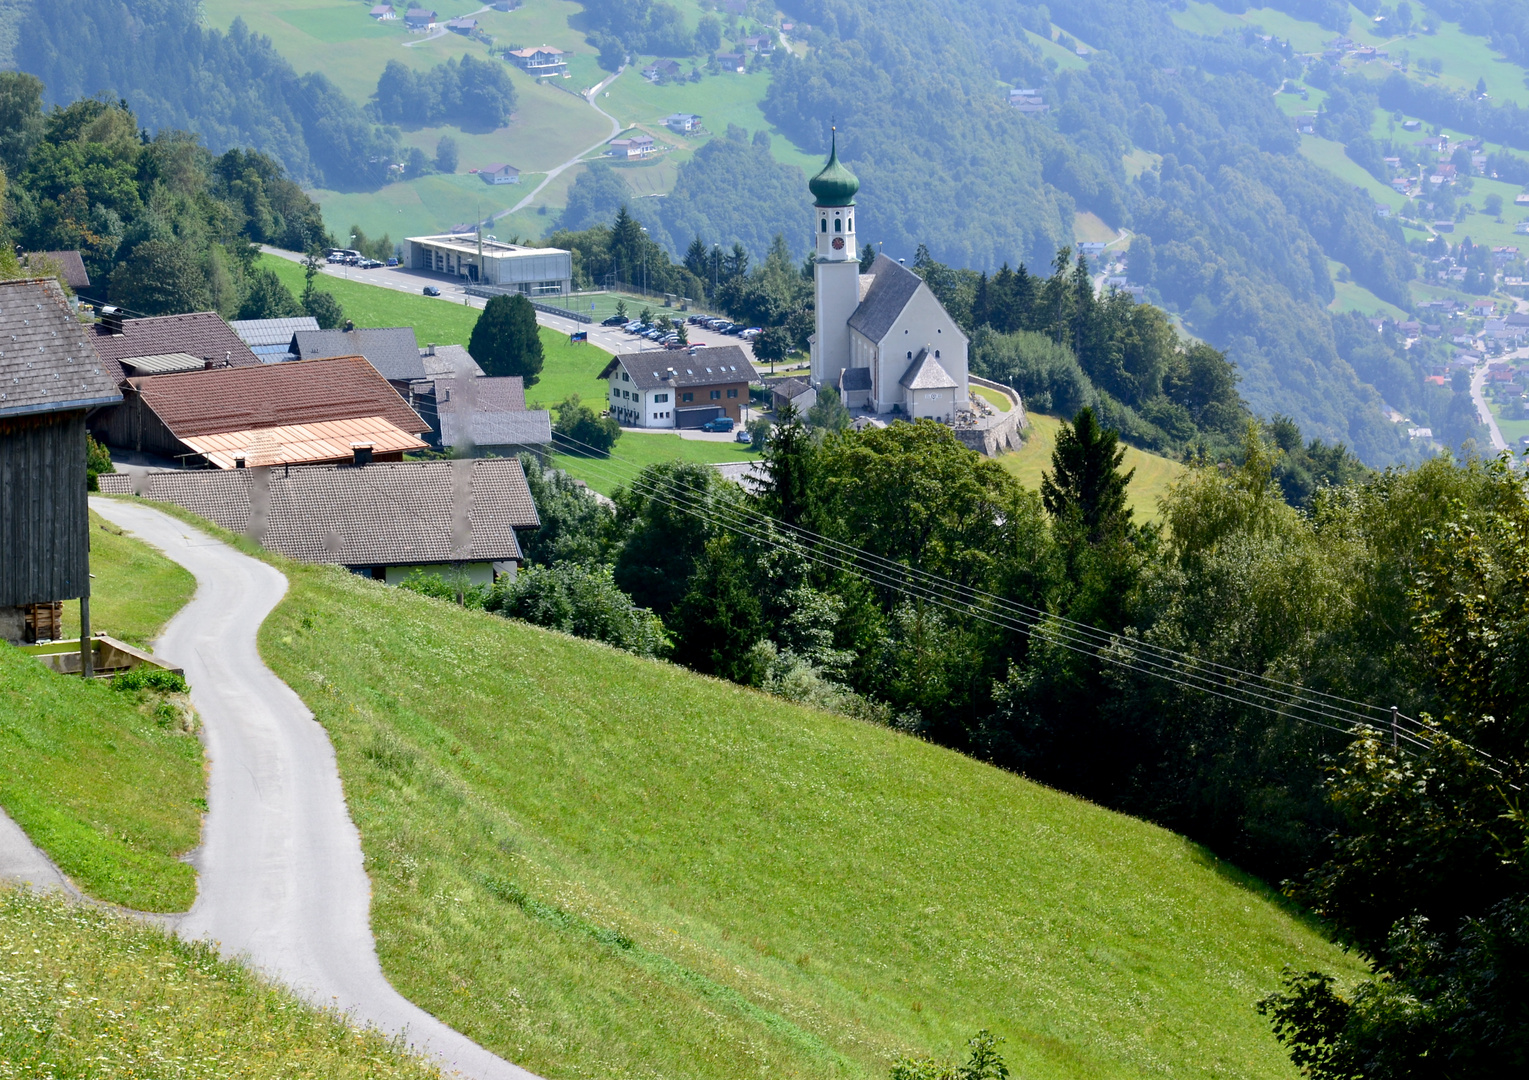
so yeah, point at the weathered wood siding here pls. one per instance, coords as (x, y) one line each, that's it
(44, 538)
(134, 426)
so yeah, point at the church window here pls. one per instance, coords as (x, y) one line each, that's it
(825, 224)
(910, 354)
(851, 224)
(838, 225)
(937, 354)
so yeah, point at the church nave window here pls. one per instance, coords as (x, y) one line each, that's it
(838, 225)
(825, 224)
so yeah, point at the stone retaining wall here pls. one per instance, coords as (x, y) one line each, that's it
(994, 433)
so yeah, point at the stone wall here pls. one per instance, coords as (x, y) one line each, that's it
(993, 432)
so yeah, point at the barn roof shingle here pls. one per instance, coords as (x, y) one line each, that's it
(392, 350)
(203, 334)
(46, 362)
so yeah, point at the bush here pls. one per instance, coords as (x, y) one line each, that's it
(150, 678)
(324, 308)
(97, 461)
(455, 588)
(583, 601)
(582, 431)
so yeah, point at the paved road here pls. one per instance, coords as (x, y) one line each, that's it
(22, 863)
(280, 877)
(1477, 381)
(588, 96)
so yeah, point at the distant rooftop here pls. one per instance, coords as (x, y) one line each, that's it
(468, 245)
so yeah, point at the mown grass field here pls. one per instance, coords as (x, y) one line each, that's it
(135, 589)
(604, 866)
(636, 450)
(1153, 476)
(87, 994)
(107, 782)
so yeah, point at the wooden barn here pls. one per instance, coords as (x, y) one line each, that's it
(50, 378)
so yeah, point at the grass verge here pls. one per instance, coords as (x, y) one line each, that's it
(599, 865)
(110, 784)
(86, 994)
(135, 589)
(1153, 473)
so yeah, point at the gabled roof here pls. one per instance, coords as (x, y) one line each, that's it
(391, 350)
(892, 286)
(501, 393)
(68, 262)
(927, 373)
(46, 362)
(525, 427)
(708, 367)
(791, 389)
(274, 395)
(370, 515)
(268, 333)
(203, 334)
(450, 361)
(855, 378)
(300, 444)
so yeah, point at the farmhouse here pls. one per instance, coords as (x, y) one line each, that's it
(543, 62)
(536, 272)
(203, 335)
(661, 69)
(637, 145)
(419, 19)
(382, 521)
(269, 339)
(683, 123)
(731, 61)
(499, 174)
(384, 13)
(50, 378)
(886, 321)
(463, 25)
(302, 412)
(677, 390)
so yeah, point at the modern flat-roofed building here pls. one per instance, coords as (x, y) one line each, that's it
(534, 271)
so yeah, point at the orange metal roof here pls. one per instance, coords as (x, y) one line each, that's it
(328, 440)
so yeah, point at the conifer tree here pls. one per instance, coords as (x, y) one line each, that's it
(1085, 487)
(505, 340)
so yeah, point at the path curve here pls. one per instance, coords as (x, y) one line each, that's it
(553, 175)
(1478, 380)
(280, 880)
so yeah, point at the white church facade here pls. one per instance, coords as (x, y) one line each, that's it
(883, 339)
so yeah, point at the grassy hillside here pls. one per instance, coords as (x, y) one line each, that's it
(86, 994)
(638, 449)
(1153, 473)
(135, 590)
(604, 866)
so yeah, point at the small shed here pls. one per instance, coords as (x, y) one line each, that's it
(798, 393)
(50, 378)
(499, 174)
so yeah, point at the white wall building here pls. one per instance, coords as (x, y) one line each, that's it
(534, 271)
(668, 389)
(882, 338)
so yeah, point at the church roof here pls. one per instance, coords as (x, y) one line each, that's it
(927, 373)
(835, 185)
(855, 378)
(893, 286)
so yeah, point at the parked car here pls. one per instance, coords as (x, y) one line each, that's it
(636, 328)
(751, 333)
(733, 330)
(615, 320)
(335, 258)
(431, 290)
(676, 343)
(743, 437)
(392, 262)
(721, 423)
(696, 320)
(371, 264)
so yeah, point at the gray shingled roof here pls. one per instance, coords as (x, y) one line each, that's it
(448, 361)
(263, 334)
(855, 378)
(893, 285)
(372, 515)
(528, 427)
(202, 333)
(708, 367)
(46, 362)
(69, 263)
(391, 350)
(927, 373)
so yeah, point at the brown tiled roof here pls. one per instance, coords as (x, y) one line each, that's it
(369, 515)
(274, 395)
(46, 363)
(203, 334)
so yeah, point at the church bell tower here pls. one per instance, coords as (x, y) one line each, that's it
(837, 270)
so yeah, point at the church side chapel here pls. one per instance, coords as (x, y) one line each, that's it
(883, 339)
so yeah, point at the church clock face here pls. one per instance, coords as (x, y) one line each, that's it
(838, 243)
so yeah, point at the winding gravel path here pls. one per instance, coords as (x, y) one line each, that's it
(280, 877)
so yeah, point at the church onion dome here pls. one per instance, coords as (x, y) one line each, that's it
(835, 185)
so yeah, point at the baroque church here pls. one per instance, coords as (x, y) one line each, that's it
(883, 339)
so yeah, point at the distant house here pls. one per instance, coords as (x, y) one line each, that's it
(1521, 199)
(463, 25)
(661, 69)
(1027, 101)
(760, 43)
(1484, 307)
(1412, 125)
(49, 380)
(669, 390)
(419, 19)
(1444, 226)
(543, 62)
(392, 350)
(269, 338)
(380, 520)
(732, 61)
(1091, 248)
(798, 393)
(499, 174)
(637, 145)
(488, 416)
(301, 412)
(683, 123)
(384, 13)
(69, 265)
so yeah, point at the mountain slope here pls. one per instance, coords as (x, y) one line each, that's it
(599, 865)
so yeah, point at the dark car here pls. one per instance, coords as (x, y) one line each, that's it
(431, 290)
(615, 320)
(721, 423)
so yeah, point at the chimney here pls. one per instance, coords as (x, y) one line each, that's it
(111, 319)
(361, 453)
(430, 349)
(206, 363)
(238, 461)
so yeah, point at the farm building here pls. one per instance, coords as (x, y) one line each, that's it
(381, 521)
(305, 411)
(50, 378)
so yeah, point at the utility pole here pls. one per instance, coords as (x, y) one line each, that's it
(1395, 714)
